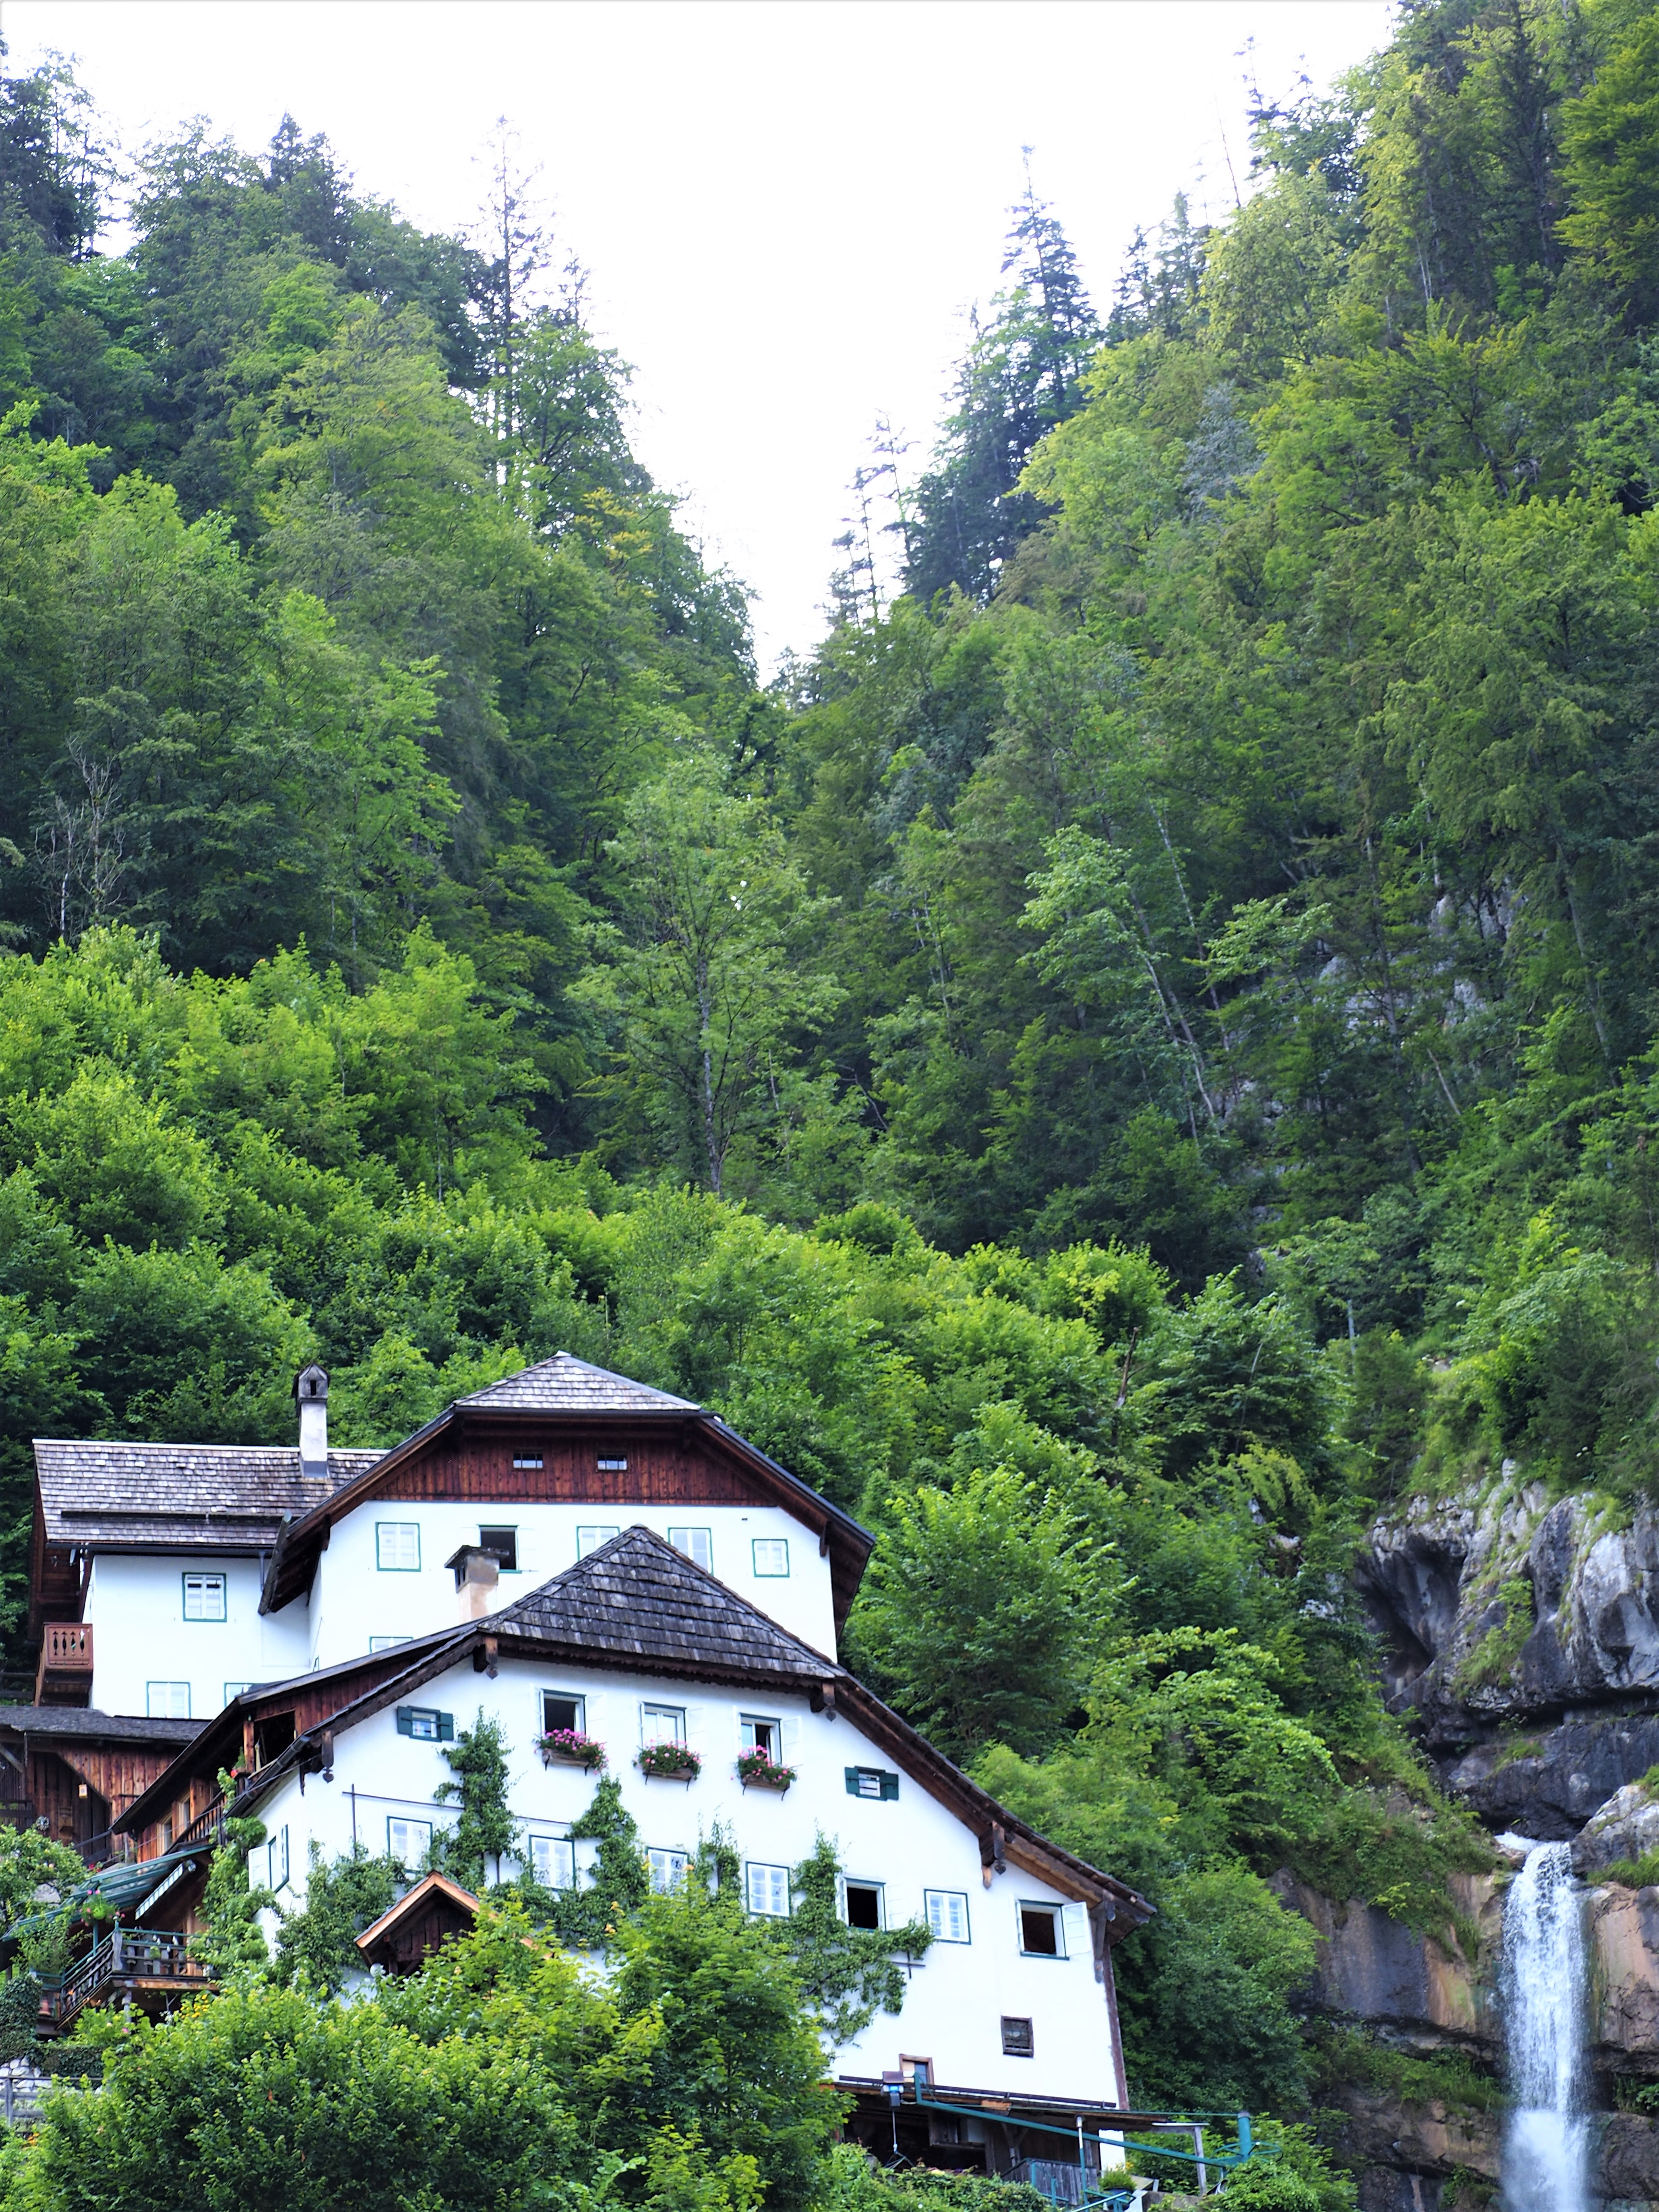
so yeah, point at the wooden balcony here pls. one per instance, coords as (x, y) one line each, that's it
(65, 1677)
(150, 1968)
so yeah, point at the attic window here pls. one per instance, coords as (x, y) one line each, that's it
(527, 1459)
(613, 1467)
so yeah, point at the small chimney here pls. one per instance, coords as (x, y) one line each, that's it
(311, 1389)
(477, 1575)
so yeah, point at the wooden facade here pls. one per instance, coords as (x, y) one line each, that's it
(76, 1785)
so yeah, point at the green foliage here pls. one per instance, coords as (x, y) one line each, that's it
(501, 2073)
(317, 1945)
(1493, 1658)
(847, 1975)
(486, 1829)
(232, 1945)
(971, 1613)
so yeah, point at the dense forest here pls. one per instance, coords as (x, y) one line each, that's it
(1145, 1036)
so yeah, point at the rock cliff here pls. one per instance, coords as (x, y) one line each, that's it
(1521, 1639)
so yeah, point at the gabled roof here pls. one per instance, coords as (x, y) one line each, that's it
(638, 1605)
(569, 1388)
(431, 1889)
(565, 1384)
(637, 1601)
(170, 1498)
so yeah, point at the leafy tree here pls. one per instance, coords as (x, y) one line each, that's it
(232, 1945)
(970, 1615)
(705, 999)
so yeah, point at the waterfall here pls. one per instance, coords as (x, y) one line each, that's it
(1545, 2148)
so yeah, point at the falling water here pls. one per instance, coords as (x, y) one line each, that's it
(1545, 2149)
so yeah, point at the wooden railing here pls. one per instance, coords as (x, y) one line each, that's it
(208, 1824)
(125, 1955)
(65, 1663)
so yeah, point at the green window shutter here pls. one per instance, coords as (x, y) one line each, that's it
(405, 1720)
(890, 1785)
(852, 1782)
(446, 1735)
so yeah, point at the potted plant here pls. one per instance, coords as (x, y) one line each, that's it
(758, 1770)
(570, 1748)
(670, 1762)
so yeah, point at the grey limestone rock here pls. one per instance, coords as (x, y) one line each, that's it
(1625, 1827)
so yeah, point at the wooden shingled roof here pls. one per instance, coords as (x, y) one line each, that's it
(169, 1497)
(565, 1384)
(636, 1598)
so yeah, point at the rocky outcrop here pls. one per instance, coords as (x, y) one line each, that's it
(1625, 1827)
(1374, 1969)
(1524, 1638)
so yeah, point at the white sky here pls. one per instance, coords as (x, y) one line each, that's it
(787, 205)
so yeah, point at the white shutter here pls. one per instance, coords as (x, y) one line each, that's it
(789, 1747)
(841, 1896)
(1074, 1919)
(696, 1721)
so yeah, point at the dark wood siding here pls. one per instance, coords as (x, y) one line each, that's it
(664, 1468)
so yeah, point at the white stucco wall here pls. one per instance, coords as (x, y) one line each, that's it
(134, 1601)
(136, 1605)
(956, 1997)
(354, 1599)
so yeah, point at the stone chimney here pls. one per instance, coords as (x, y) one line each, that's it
(311, 1389)
(477, 1575)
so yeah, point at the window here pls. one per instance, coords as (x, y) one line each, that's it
(233, 1690)
(528, 1459)
(553, 1862)
(397, 1547)
(204, 1597)
(662, 1724)
(870, 1781)
(277, 1861)
(667, 1869)
(386, 1643)
(771, 1555)
(766, 1890)
(1017, 2041)
(920, 2072)
(502, 1545)
(863, 1905)
(1039, 1931)
(947, 1914)
(761, 1735)
(167, 1701)
(698, 1545)
(559, 1712)
(589, 1539)
(408, 1841)
(613, 1467)
(426, 1724)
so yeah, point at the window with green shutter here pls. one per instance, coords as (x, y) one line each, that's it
(871, 1782)
(426, 1724)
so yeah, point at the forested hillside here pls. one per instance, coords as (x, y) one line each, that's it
(1132, 1045)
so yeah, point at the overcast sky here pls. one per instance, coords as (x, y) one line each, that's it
(785, 205)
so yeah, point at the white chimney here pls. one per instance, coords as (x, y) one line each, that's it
(477, 1577)
(311, 1389)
